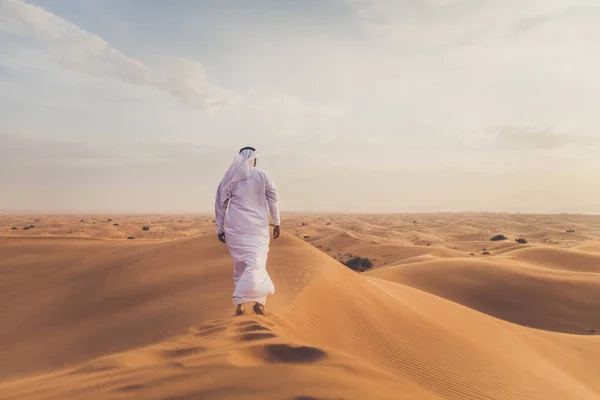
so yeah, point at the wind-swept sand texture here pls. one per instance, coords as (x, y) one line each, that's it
(92, 315)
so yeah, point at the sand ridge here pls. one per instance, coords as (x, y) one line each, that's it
(104, 317)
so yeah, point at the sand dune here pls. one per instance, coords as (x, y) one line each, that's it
(543, 299)
(103, 317)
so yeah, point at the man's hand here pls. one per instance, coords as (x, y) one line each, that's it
(276, 232)
(221, 237)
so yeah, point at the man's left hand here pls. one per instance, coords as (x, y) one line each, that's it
(276, 232)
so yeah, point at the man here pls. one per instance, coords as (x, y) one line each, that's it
(245, 198)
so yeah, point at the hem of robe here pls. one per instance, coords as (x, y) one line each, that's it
(242, 300)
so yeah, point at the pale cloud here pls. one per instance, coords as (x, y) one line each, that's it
(31, 150)
(528, 137)
(85, 52)
(334, 110)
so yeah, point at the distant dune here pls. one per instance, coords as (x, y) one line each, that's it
(443, 314)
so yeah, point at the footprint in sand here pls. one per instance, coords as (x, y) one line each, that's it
(254, 322)
(182, 352)
(253, 328)
(254, 331)
(97, 366)
(130, 388)
(248, 337)
(210, 331)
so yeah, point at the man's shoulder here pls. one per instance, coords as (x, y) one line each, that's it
(260, 172)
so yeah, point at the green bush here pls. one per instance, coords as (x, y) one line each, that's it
(358, 264)
(521, 240)
(498, 237)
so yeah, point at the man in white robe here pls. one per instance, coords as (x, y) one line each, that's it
(245, 198)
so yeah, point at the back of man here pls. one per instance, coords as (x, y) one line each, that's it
(245, 198)
(248, 212)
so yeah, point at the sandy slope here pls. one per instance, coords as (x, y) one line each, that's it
(86, 318)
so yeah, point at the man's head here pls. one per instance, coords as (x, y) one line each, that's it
(249, 148)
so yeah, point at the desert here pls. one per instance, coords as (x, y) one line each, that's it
(90, 314)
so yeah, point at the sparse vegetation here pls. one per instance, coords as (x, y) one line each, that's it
(486, 253)
(115, 224)
(14, 228)
(130, 237)
(28, 227)
(358, 264)
(521, 240)
(570, 230)
(109, 220)
(497, 238)
(146, 228)
(306, 237)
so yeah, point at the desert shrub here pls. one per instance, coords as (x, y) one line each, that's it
(497, 238)
(130, 237)
(486, 253)
(570, 230)
(28, 227)
(358, 264)
(306, 237)
(521, 240)
(115, 224)
(14, 228)
(146, 228)
(109, 220)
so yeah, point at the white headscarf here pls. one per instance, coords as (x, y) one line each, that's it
(237, 171)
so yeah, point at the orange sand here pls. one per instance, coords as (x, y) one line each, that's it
(88, 314)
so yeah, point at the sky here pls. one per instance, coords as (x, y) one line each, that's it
(375, 106)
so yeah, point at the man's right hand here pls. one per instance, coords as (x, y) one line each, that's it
(221, 237)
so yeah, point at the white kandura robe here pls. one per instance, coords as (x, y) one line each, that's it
(245, 213)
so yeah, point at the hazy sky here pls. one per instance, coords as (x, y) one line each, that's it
(354, 105)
